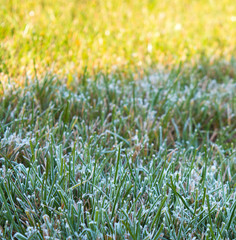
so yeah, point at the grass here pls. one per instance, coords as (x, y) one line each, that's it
(101, 34)
(115, 158)
(117, 121)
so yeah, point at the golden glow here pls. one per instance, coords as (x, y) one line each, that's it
(66, 36)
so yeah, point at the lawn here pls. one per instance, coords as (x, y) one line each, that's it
(117, 121)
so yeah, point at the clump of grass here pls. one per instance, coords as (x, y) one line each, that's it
(116, 158)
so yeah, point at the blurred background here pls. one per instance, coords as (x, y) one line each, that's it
(67, 36)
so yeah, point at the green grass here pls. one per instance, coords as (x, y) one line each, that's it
(117, 121)
(115, 158)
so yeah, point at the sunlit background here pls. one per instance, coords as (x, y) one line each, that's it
(67, 36)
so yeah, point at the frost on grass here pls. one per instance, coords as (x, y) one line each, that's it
(119, 159)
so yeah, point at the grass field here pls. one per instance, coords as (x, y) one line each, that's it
(117, 121)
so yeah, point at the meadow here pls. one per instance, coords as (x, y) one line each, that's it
(117, 119)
